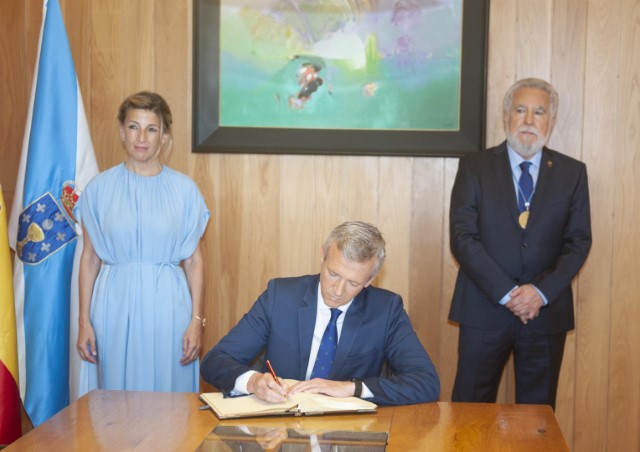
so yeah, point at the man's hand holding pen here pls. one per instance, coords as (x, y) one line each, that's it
(267, 386)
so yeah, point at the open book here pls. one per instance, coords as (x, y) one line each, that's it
(300, 404)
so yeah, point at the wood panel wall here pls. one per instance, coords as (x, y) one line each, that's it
(270, 213)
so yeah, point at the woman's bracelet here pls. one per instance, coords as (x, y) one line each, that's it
(204, 321)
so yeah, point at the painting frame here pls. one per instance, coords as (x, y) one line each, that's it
(208, 136)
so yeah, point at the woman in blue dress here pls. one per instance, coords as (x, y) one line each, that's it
(141, 272)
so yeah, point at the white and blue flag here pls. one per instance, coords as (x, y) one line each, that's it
(57, 162)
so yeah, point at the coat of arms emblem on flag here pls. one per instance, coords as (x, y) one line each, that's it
(43, 229)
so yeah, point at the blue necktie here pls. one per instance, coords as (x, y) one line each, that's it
(328, 345)
(525, 187)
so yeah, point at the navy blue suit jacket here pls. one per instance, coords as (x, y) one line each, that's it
(495, 253)
(376, 328)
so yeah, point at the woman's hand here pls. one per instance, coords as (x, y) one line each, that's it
(86, 344)
(192, 342)
(89, 268)
(192, 339)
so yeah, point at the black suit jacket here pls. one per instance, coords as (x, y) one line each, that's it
(495, 253)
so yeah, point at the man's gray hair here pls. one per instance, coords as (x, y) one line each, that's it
(535, 83)
(358, 242)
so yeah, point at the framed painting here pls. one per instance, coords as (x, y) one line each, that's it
(385, 77)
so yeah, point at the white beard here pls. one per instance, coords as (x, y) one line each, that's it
(526, 151)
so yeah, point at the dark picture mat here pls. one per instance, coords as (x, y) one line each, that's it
(209, 136)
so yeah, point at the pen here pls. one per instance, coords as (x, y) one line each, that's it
(272, 372)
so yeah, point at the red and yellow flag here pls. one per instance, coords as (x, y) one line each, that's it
(10, 427)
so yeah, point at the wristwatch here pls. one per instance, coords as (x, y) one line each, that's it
(358, 390)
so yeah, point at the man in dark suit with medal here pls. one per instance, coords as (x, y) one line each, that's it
(520, 231)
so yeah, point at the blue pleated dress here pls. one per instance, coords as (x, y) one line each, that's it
(141, 227)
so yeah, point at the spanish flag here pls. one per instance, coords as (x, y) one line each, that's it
(10, 429)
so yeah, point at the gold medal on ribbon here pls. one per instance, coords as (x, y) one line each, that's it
(523, 219)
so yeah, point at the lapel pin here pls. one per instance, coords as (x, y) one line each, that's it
(549, 163)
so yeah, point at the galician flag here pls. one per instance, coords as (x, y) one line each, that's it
(10, 428)
(57, 162)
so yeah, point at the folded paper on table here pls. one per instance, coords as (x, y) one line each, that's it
(300, 404)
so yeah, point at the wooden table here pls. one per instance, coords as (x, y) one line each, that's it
(120, 420)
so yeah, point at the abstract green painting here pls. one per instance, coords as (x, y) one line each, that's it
(350, 64)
